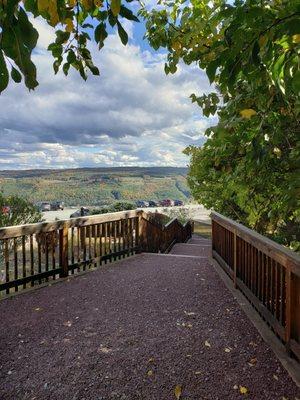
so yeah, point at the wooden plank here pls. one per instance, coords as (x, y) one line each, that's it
(114, 239)
(39, 250)
(27, 279)
(78, 245)
(72, 247)
(64, 259)
(6, 260)
(103, 257)
(24, 259)
(234, 258)
(16, 272)
(31, 258)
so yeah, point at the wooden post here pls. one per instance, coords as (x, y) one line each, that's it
(63, 252)
(292, 327)
(234, 258)
(140, 234)
(288, 310)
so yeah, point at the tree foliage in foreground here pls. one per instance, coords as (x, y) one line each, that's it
(17, 211)
(75, 22)
(249, 167)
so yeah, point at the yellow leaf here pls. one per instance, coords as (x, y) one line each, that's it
(227, 350)
(98, 3)
(87, 4)
(207, 344)
(72, 3)
(151, 360)
(197, 372)
(243, 390)
(247, 113)
(296, 38)
(178, 391)
(115, 7)
(37, 309)
(176, 46)
(150, 373)
(275, 377)
(69, 27)
(43, 5)
(252, 362)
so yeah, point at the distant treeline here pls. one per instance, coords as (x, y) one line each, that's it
(96, 186)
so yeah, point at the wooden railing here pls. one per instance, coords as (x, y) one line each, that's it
(267, 273)
(155, 237)
(36, 253)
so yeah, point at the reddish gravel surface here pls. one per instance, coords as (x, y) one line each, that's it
(192, 249)
(135, 330)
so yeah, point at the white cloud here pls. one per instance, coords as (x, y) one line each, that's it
(131, 115)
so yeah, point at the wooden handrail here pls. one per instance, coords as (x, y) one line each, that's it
(278, 252)
(29, 229)
(267, 273)
(34, 253)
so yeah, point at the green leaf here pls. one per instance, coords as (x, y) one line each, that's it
(122, 33)
(296, 82)
(92, 67)
(128, 14)
(15, 74)
(15, 48)
(4, 77)
(115, 7)
(100, 34)
(211, 70)
(29, 33)
(71, 57)
(66, 68)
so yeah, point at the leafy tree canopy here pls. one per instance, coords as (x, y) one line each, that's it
(249, 167)
(76, 23)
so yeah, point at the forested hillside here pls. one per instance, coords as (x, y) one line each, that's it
(96, 186)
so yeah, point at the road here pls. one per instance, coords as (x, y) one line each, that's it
(193, 211)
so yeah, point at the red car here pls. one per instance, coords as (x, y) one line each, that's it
(166, 203)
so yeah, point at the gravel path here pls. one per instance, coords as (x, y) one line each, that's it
(136, 330)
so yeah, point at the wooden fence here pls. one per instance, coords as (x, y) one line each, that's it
(267, 273)
(36, 253)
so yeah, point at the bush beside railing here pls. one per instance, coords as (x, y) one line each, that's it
(36, 253)
(267, 273)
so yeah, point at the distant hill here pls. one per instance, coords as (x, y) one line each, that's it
(96, 186)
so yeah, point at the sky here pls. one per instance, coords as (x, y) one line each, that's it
(130, 115)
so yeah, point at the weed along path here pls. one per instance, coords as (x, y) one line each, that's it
(157, 327)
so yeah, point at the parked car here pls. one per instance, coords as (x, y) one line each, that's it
(142, 204)
(166, 203)
(57, 205)
(153, 203)
(45, 206)
(178, 203)
(83, 212)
